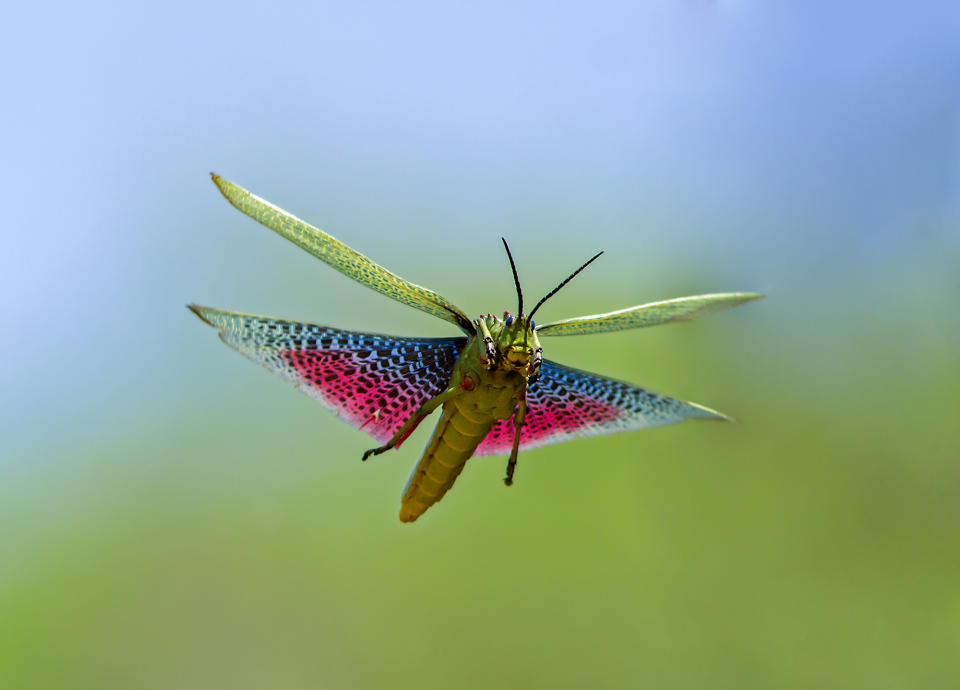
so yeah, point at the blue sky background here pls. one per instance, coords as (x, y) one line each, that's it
(763, 143)
(805, 150)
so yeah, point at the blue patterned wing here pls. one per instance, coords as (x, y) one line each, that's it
(567, 403)
(373, 382)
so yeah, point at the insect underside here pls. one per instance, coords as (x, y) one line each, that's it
(496, 392)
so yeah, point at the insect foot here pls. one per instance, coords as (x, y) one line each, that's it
(374, 451)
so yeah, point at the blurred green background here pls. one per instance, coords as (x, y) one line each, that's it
(171, 516)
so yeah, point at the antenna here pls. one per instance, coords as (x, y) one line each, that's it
(516, 278)
(569, 278)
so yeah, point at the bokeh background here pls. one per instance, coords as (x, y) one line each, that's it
(172, 516)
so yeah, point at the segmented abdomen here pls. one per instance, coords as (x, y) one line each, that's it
(453, 442)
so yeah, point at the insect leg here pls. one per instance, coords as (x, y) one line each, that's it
(415, 419)
(535, 367)
(487, 351)
(518, 418)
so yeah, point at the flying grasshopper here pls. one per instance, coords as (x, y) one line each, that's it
(497, 393)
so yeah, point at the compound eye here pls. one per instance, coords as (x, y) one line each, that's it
(533, 325)
(509, 320)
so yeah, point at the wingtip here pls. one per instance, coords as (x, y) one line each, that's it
(735, 299)
(198, 310)
(726, 300)
(219, 181)
(231, 191)
(711, 414)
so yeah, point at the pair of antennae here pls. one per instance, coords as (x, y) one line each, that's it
(516, 280)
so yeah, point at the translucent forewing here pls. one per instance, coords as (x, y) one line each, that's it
(373, 382)
(567, 403)
(653, 314)
(331, 251)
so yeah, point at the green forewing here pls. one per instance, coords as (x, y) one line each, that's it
(679, 309)
(348, 261)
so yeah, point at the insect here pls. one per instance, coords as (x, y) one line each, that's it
(497, 393)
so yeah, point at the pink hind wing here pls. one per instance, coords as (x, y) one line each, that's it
(372, 382)
(568, 403)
